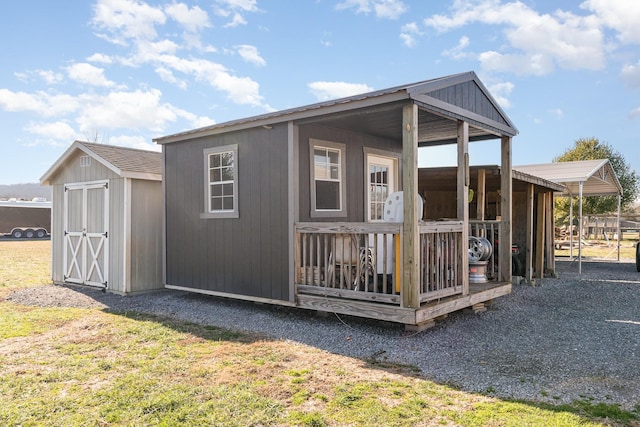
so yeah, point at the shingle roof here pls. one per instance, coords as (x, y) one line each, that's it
(128, 159)
(126, 162)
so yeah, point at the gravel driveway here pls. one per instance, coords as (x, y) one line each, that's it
(566, 339)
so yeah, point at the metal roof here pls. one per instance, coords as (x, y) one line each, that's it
(597, 176)
(126, 162)
(379, 113)
(444, 179)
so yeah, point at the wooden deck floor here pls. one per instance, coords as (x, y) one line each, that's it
(478, 294)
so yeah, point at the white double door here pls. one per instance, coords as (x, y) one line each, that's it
(86, 234)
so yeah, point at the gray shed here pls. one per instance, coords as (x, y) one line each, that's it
(106, 220)
(287, 207)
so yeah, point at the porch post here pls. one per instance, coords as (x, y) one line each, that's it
(463, 198)
(549, 265)
(481, 194)
(528, 250)
(540, 235)
(410, 231)
(505, 209)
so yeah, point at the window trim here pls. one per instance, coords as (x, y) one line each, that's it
(328, 213)
(231, 213)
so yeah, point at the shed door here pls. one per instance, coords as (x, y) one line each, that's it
(86, 219)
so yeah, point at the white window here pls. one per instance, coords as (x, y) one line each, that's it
(221, 182)
(328, 196)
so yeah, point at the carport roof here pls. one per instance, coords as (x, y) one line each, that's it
(597, 176)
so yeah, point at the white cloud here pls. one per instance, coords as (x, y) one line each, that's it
(129, 110)
(621, 16)
(50, 77)
(192, 19)
(236, 9)
(537, 43)
(166, 75)
(458, 51)
(408, 32)
(88, 74)
(631, 74)
(500, 91)
(60, 131)
(134, 141)
(557, 112)
(119, 20)
(127, 19)
(42, 103)
(100, 58)
(635, 114)
(325, 91)
(250, 54)
(387, 9)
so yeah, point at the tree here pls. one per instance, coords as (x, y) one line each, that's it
(593, 149)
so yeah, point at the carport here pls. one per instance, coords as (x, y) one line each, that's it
(580, 178)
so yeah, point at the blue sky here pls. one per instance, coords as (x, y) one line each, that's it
(125, 71)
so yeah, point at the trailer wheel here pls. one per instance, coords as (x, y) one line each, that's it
(638, 256)
(16, 233)
(41, 233)
(29, 233)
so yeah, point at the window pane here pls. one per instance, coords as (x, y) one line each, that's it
(216, 203)
(227, 189)
(334, 157)
(216, 190)
(327, 195)
(214, 160)
(215, 175)
(227, 174)
(227, 203)
(227, 159)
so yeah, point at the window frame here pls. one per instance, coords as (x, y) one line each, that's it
(222, 213)
(342, 152)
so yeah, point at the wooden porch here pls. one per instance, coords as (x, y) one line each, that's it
(356, 269)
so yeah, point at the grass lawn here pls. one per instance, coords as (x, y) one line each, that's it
(76, 367)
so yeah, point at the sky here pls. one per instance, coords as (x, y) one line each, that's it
(123, 72)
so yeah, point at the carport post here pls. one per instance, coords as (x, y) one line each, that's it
(618, 232)
(580, 232)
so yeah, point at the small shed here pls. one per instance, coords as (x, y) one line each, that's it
(106, 217)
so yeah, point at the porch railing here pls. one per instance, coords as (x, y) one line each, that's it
(362, 261)
(441, 265)
(490, 230)
(348, 260)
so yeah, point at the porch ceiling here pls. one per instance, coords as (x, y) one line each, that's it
(386, 122)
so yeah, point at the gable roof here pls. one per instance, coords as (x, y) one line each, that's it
(441, 102)
(125, 162)
(597, 176)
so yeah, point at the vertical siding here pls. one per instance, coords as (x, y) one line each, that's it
(355, 144)
(116, 235)
(145, 256)
(57, 233)
(246, 255)
(468, 95)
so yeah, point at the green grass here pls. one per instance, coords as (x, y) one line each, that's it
(87, 367)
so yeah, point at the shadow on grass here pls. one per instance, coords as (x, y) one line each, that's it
(194, 314)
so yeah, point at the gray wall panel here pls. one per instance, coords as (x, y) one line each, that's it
(245, 255)
(355, 143)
